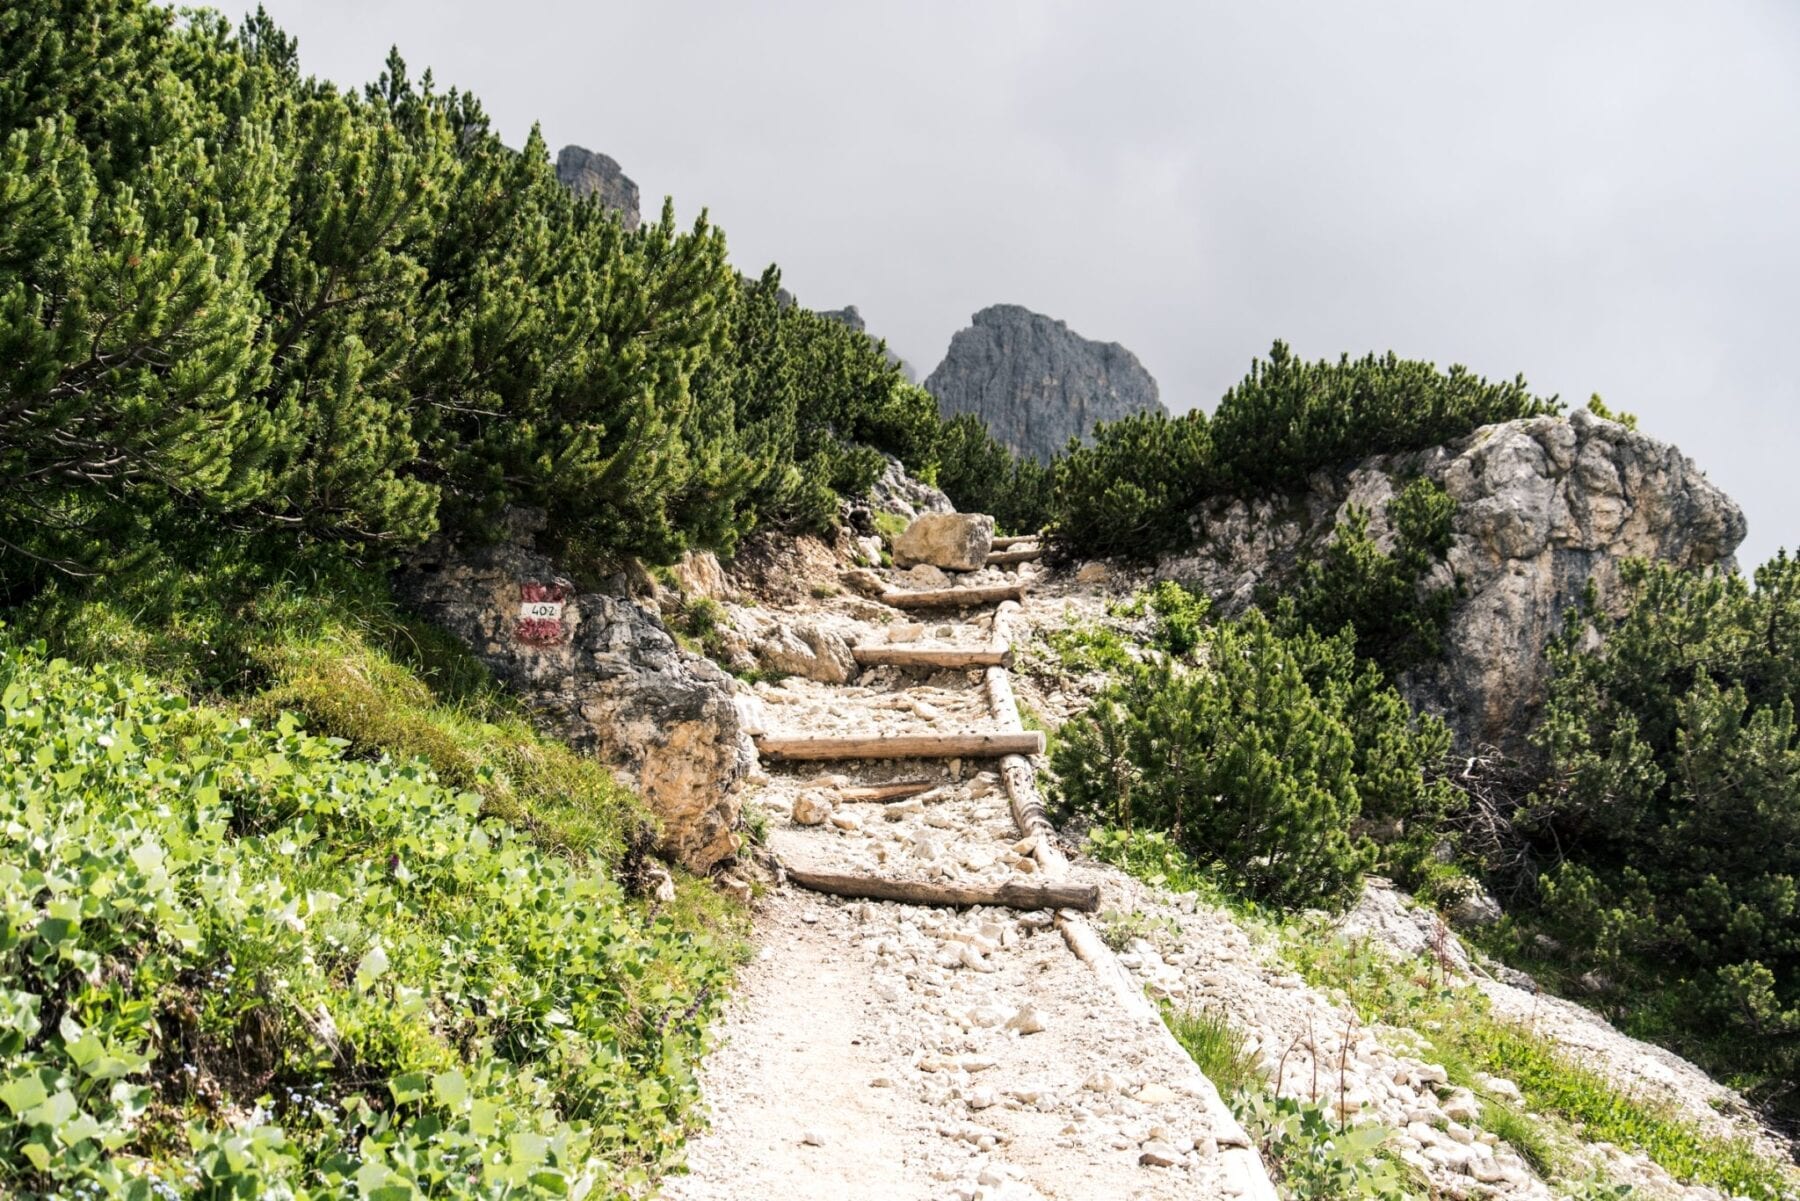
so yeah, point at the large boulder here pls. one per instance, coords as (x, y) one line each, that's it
(952, 541)
(1544, 507)
(1035, 383)
(802, 648)
(601, 672)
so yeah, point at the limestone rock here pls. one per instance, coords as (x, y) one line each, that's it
(604, 674)
(1035, 383)
(952, 541)
(924, 575)
(863, 580)
(1027, 1020)
(811, 808)
(804, 649)
(1475, 907)
(699, 574)
(1544, 506)
(1388, 919)
(586, 173)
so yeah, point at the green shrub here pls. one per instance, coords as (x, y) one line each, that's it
(1289, 418)
(382, 990)
(1243, 764)
(1381, 596)
(1133, 491)
(981, 476)
(1259, 761)
(1130, 493)
(1671, 812)
(1311, 1157)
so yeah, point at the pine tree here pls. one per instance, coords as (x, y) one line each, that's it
(128, 315)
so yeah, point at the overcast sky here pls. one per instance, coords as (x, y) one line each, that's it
(1604, 197)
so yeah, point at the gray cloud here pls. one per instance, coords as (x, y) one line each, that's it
(1600, 196)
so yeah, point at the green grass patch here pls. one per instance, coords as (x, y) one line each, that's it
(1217, 1046)
(890, 526)
(1469, 1041)
(1031, 719)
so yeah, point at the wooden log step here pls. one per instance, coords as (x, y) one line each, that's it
(1002, 706)
(950, 598)
(1014, 895)
(900, 655)
(897, 791)
(901, 746)
(1006, 540)
(1001, 558)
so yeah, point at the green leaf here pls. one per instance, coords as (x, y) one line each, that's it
(22, 1093)
(407, 1087)
(450, 1088)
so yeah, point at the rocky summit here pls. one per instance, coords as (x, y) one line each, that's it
(587, 173)
(1036, 383)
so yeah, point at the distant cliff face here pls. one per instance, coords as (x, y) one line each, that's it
(1036, 383)
(588, 174)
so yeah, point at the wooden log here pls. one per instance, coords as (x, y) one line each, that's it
(899, 790)
(1001, 705)
(1084, 898)
(950, 598)
(1028, 813)
(1006, 540)
(1005, 613)
(901, 746)
(1001, 558)
(901, 655)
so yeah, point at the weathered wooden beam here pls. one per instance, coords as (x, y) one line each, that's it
(1084, 898)
(901, 746)
(898, 655)
(899, 790)
(1001, 558)
(1006, 540)
(950, 598)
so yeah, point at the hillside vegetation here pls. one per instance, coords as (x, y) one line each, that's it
(298, 903)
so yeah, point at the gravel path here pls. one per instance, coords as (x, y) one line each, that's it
(857, 1064)
(879, 1050)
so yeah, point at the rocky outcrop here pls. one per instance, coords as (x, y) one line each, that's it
(1544, 507)
(850, 317)
(1035, 383)
(952, 541)
(897, 491)
(847, 316)
(587, 173)
(602, 672)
